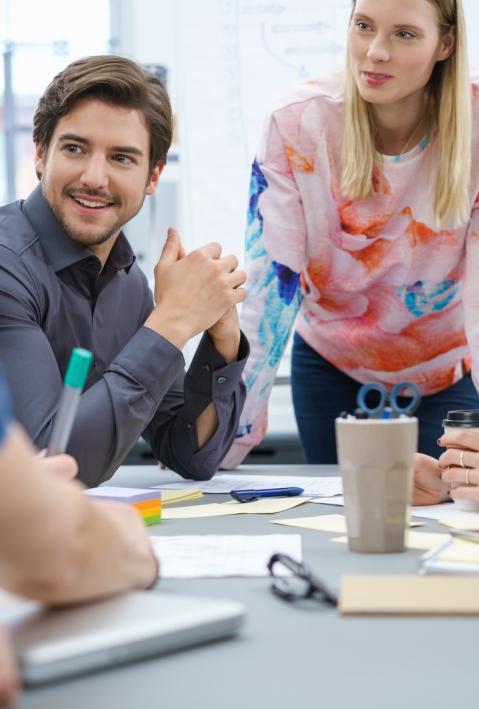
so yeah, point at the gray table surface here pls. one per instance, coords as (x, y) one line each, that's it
(289, 656)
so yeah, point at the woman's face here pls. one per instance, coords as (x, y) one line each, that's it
(394, 45)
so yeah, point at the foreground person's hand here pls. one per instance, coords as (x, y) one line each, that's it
(9, 676)
(63, 465)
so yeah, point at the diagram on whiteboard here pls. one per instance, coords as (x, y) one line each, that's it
(251, 53)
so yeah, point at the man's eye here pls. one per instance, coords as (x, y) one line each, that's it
(70, 148)
(124, 159)
(404, 34)
(363, 26)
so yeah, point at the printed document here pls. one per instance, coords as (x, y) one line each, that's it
(212, 555)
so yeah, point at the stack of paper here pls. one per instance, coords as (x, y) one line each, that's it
(147, 502)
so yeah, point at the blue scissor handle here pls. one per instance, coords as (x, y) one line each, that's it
(413, 404)
(383, 397)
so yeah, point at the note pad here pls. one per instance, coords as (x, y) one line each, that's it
(147, 502)
(408, 595)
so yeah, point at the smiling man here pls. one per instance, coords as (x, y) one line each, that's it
(68, 278)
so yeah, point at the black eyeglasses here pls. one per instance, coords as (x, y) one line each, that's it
(302, 584)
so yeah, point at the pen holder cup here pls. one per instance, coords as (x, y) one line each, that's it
(376, 458)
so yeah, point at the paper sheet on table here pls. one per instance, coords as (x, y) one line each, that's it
(462, 520)
(414, 540)
(447, 510)
(322, 523)
(219, 509)
(432, 595)
(445, 513)
(205, 556)
(223, 483)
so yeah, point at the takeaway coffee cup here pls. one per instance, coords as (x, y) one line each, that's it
(469, 420)
(376, 459)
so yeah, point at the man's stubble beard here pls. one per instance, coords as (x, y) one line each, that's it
(80, 238)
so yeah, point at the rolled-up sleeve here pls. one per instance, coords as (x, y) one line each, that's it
(172, 431)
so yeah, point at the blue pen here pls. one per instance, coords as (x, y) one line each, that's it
(250, 495)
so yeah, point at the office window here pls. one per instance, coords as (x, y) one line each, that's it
(38, 39)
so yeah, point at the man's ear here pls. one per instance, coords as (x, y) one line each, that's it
(154, 178)
(40, 157)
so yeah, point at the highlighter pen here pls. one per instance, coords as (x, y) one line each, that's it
(75, 378)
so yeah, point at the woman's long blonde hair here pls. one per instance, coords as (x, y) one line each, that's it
(449, 116)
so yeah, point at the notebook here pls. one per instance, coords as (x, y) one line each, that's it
(53, 644)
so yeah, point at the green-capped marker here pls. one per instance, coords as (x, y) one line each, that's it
(75, 378)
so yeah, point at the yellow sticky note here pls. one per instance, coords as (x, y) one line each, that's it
(462, 551)
(168, 497)
(270, 505)
(414, 540)
(323, 523)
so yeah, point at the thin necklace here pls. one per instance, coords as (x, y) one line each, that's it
(398, 157)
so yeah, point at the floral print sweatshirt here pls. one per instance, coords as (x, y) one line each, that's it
(373, 285)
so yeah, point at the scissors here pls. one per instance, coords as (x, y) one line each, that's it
(388, 406)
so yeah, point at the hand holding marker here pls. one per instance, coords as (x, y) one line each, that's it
(75, 378)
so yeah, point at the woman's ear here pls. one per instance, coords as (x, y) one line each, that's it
(447, 44)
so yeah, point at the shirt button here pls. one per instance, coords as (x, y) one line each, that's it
(221, 380)
(207, 368)
(189, 426)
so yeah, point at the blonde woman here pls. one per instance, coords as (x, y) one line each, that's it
(364, 229)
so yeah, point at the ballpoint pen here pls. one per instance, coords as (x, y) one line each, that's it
(75, 378)
(250, 495)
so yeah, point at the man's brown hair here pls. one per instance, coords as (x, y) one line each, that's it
(115, 80)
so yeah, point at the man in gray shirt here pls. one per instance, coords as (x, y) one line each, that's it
(68, 278)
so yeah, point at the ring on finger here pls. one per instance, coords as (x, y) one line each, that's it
(461, 459)
(467, 476)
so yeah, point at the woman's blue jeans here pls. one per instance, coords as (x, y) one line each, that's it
(321, 392)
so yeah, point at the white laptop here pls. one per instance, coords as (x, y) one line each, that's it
(52, 644)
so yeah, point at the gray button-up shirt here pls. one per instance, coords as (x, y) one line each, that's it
(54, 296)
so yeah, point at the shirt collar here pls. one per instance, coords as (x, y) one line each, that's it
(60, 250)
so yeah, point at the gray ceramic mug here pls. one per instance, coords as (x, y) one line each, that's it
(376, 458)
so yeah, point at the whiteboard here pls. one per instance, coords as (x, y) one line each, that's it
(235, 58)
